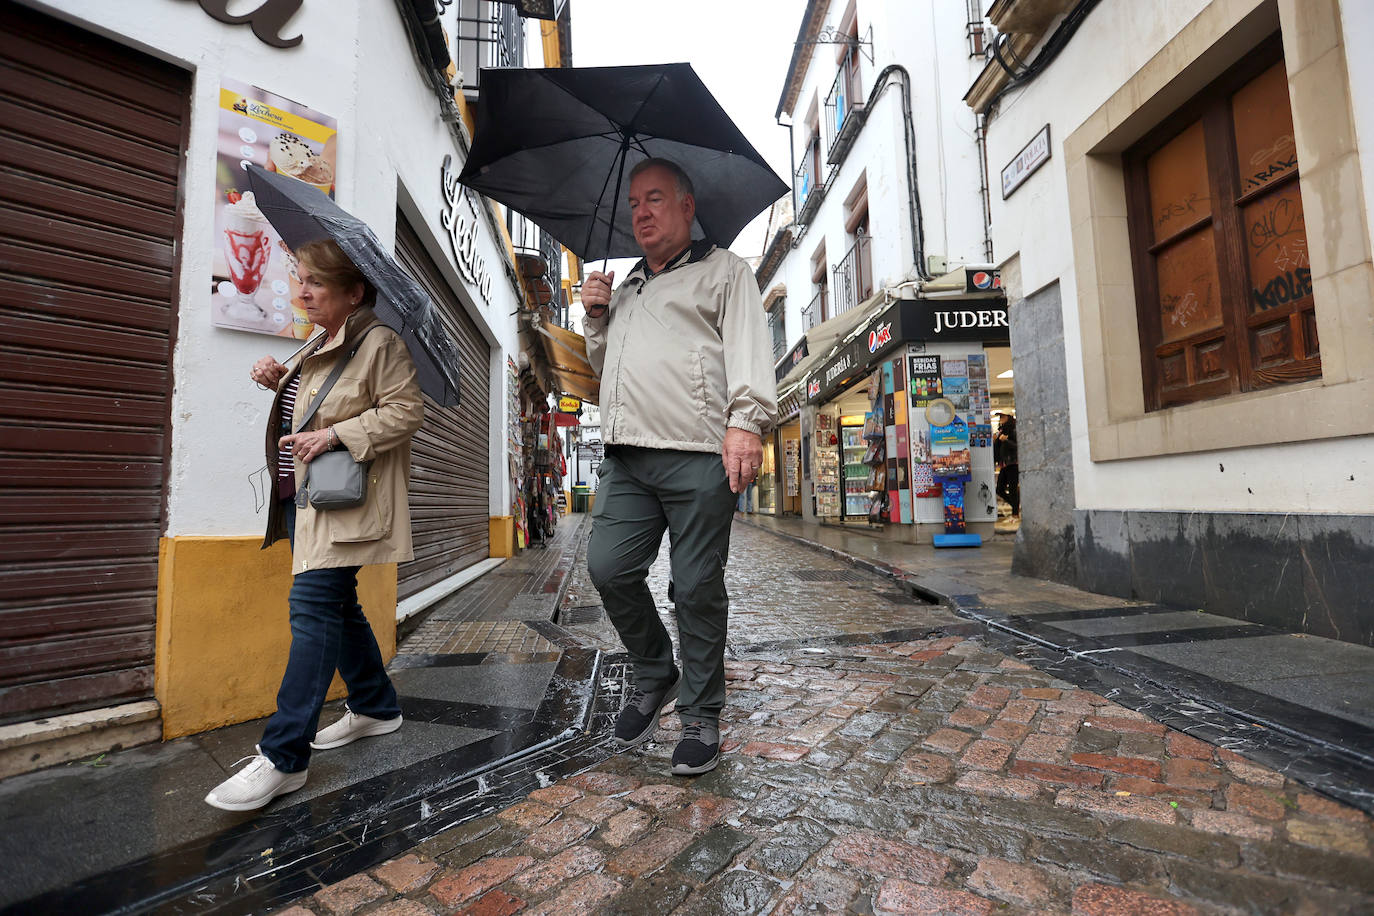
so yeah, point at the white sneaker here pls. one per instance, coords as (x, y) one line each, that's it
(352, 727)
(254, 786)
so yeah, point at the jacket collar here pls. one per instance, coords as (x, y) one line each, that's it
(354, 325)
(694, 252)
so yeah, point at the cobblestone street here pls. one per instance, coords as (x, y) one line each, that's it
(929, 772)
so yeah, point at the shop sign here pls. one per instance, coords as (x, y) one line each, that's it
(791, 361)
(813, 388)
(981, 281)
(1033, 155)
(266, 20)
(842, 364)
(969, 319)
(568, 404)
(462, 232)
(880, 336)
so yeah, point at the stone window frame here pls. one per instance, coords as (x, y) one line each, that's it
(1335, 405)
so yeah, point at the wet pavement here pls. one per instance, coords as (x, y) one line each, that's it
(884, 754)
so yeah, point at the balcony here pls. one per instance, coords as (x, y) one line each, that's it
(844, 109)
(814, 313)
(778, 334)
(854, 276)
(810, 191)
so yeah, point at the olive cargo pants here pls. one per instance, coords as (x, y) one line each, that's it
(641, 493)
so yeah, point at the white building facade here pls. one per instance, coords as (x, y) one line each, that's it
(1195, 435)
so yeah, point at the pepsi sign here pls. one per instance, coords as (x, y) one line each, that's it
(880, 336)
(983, 280)
(813, 388)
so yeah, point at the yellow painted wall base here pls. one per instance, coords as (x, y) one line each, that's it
(501, 535)
(223, 628)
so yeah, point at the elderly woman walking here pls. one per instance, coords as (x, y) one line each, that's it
(372, 410)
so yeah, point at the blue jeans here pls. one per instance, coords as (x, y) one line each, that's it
(328, 632)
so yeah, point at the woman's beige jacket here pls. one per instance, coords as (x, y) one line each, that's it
(374, 407)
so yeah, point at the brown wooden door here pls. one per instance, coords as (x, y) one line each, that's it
(91, 140)
(450, 476)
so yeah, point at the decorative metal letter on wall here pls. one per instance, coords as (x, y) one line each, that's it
(266, 21)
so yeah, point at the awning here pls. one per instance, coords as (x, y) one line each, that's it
(823, 339)
(566, 353)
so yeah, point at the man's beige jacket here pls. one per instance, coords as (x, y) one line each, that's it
(374, 407)
(684, 353)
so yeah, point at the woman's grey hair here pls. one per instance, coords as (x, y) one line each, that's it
(684, 184)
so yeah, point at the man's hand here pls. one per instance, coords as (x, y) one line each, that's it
(267, 372)
(307, 446)
(596, 293)
(742, 454)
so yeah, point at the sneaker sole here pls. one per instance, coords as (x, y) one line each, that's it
(385, 727)
(682, 769)
(293, 782)
(668, 699)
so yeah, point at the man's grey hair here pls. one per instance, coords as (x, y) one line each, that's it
(684, 184)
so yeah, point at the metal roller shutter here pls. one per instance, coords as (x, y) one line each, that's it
(91, 140)
(449, 481)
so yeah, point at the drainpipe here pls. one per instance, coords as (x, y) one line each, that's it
(918, 238)
(792, 159)
(980, 139)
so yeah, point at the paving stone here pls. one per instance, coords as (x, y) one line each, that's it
(1325, 807)
(881, 857)
(1103, 900)
(862, 813)
(984, 783)
(1232, 824)
(1251, 893)
(775, 805)
(775, 751)
(626, 827)
(1139, 808)
(705, 811)
(652, 895)
(451, 890)
(821, 892)
(989, 697)
(968, 717)
(1089, 740)
(1328, 835)
(1250, 772)
(581, 898)
(795, 843)
(655, 849)
(1180, 745)
(1131, 766)
(596, 808)
(1011, 881)
(660, 797)
(815, 730)
(401, 907)
(898, 896)
(528, 815)
(865, 725)
(500, 838)
(495, 902)
(405, 874)
(1115, 861)
(558, 796)
(947, 740)
(951, 834)
(739, 893)
(567, 864)
(711, 853)
(1044, 748)
(561, 833)
(1022, 711)
(1041, 693)
(603, 783)
(1118, 724)
(1135, 785)
(1065, 723)
(1176, 840)
(1011, 732)
(1253, 801)
(890, 747)
(985, 754)
(922, 769)
(295, 911)
(1192, 774)
(349, 895)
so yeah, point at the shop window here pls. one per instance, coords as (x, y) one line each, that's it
(1218, 242)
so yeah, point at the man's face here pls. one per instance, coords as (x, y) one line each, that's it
(661, 215)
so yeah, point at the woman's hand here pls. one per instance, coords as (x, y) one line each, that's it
(267, 372)
(308, 445)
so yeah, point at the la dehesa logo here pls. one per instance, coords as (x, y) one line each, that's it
(879, 336)
(982, 279)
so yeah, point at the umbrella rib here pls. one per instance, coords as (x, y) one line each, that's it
(619, 160)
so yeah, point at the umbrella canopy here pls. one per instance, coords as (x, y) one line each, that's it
(557, 145)
(302, 213)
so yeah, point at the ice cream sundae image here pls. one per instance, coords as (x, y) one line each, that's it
(290, 155)
(247, 249)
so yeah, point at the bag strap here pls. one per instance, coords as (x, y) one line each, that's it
(334, 377)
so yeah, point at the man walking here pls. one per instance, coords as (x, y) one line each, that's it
(687, 389)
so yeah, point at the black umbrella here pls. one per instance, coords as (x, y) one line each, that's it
(557, 145)
(302, 213)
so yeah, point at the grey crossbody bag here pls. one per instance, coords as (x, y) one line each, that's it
(333, 480)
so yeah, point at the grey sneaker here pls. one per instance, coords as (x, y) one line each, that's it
(639, 718)
(352, 727)
(699, 750)
(254, 786)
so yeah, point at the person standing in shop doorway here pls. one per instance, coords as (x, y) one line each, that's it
(1004, 456)
(687, 390)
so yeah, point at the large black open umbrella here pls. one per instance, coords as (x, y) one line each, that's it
(302, 213)
(557, 145)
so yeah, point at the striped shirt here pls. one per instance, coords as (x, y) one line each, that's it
(286, 469)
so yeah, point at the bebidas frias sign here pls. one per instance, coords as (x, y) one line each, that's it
(462, 232)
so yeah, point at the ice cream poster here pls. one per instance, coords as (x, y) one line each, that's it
(254, 287)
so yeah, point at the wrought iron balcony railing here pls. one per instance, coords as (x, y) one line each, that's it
(844, 108)
(814, 313)
(854, 276)
(779, 334)
(807, 183)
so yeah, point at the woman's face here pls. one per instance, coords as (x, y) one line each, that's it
(328, 306)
